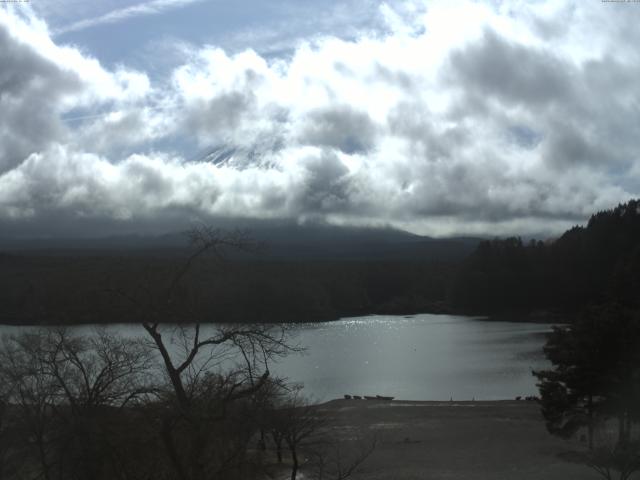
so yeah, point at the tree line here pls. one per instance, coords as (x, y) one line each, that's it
(592, 388)
(587, 265)
(590, 277)
(79, 290)
(592, 264)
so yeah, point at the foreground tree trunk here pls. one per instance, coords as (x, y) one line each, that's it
(590, 426)
(295, 465)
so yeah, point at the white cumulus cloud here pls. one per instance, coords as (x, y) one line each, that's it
(466, 117)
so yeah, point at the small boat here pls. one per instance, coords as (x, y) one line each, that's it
(380, 397)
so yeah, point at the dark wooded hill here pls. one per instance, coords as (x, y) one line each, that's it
(587, 265)
(298, 273)
(280, 240)
(318, 272)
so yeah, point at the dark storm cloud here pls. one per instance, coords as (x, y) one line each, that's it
(30, 89)
(584, 113)
(485, 191)
(219, 115)
(56, 223)
(339, 127)
(326, 185)
(511, 72)
(568, 147)
(422, 129)
(553, 29)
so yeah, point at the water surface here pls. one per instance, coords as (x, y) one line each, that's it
(420, 357)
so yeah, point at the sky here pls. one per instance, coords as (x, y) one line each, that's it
(442, 118)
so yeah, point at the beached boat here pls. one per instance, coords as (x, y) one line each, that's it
(377, 397)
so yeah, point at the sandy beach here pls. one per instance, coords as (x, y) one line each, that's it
(482, 440)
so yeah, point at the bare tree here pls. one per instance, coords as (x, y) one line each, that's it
(193, 355)
(306, 431)
(611, 458)
(34, 395)
(5, 428)
(332, 463)
(94, 371)
(296, 422)
(67, 388)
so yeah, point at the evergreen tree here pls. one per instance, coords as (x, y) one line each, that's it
(595, 373)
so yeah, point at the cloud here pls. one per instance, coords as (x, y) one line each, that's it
(461, 117)
(325, 186)
(153, 7)
(31, 90)
(339, 127)
(514, 73)
(40, 82)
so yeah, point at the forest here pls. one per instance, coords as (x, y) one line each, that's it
(588, 265)
(524, 280)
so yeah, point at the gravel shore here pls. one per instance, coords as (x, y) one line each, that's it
(482, 440)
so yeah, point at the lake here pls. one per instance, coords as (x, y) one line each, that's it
(417, 357)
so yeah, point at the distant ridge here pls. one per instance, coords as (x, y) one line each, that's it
(281, 240)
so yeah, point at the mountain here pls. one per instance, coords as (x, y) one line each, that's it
(313, 271)
(241, 157)
(280, 240)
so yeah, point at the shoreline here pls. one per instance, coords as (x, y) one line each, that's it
(429, 403)
(514, 317)
(486, 439)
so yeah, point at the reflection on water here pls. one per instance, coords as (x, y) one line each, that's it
(420, 357)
